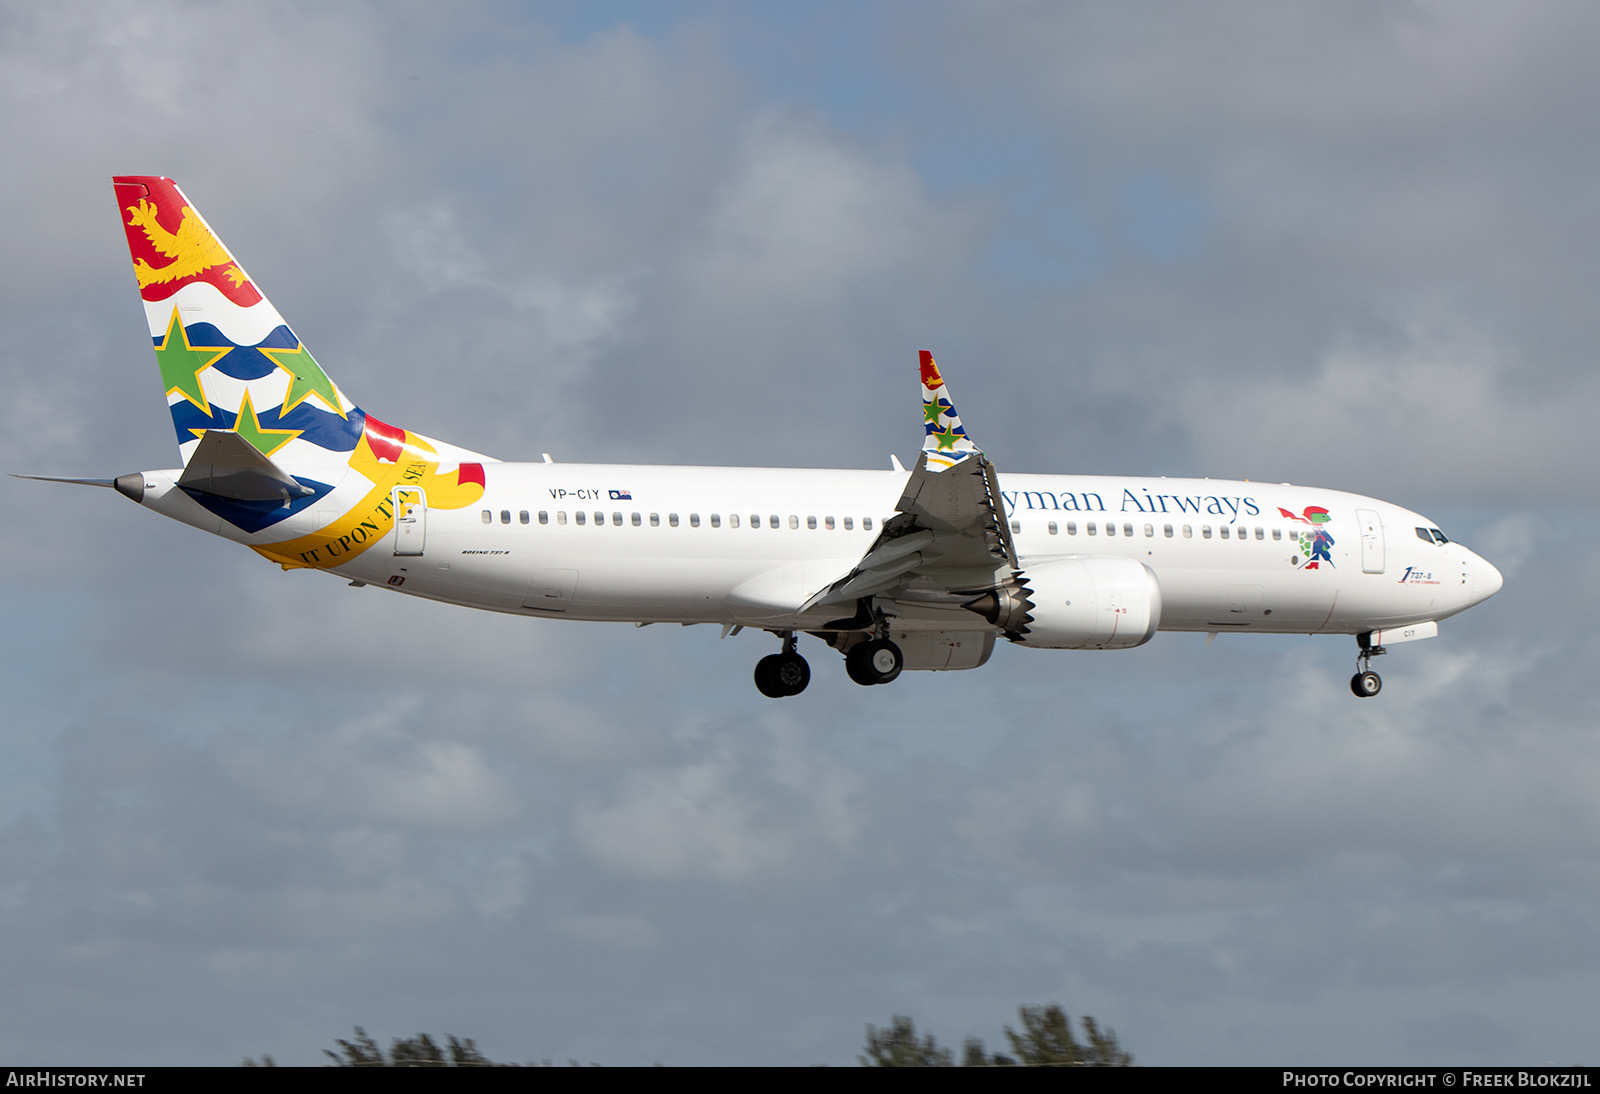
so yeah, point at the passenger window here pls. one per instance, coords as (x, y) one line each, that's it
(1149, 530)
(1188, 532)
(1072, 527)
(716, 520)
(694, 520)
(1089, 528)
(1111, 529)
(755, 520)
(733, 520)
(1166, 530)
(637, 520)
(616, 518)
(488, 517)
(811, 523)
(544, 516)
(1261, 533)
(1223, 531)
(505, 516)
(579, 517)
(655, 520)
(1127, 530)
(1205, 531)
(1016, 527)
(1051, 527)
(561, 516)
(794, 522)
(827, 522)
(1277, 533)
(599, 519)
(772, 521)
(522, 517)
(866, 524)
(849, 524)
(672, 520)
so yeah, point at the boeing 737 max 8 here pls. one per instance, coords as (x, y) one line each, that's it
(897, 569)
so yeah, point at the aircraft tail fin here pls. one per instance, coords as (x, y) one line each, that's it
(228, 361)
(264, 433)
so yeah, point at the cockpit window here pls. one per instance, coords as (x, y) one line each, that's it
(1438, 535)
(1431, 535)
(1424, 535)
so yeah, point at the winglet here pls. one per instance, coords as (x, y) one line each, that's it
(947, 443)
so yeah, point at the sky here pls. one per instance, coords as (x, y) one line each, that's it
(243, 811)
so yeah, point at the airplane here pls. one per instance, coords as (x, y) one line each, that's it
(896, 570)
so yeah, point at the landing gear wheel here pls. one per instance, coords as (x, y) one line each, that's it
(782, 674)
(793, 673)
(767, 676)
(875, 662)
(1366, 684)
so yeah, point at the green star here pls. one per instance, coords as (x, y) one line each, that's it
(266, 441)
(181, 364)
(931, 411)
(305, 378)
(947, 438)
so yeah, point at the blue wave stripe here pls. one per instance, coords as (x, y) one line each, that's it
(322, 428)
(245, 362)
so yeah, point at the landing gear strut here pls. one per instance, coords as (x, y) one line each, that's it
(1366, 683)
(783, 674)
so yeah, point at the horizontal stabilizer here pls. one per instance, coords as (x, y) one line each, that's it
(227, 465)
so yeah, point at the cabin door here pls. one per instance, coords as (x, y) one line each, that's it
(410, 520)
(1371, 541)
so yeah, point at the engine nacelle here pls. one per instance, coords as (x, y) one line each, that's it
(1094, 602)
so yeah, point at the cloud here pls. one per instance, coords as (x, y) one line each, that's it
(729, 817)
(367, 770)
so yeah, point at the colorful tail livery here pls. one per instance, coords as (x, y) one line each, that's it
(263, 432)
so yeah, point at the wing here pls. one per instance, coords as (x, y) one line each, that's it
(949, 541)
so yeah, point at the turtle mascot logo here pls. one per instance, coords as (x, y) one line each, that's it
(1314, 541)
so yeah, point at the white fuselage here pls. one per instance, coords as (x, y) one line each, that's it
(749, 545)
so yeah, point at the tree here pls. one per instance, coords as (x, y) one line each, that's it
(899, 1046)
(418, 1051)
(1046, 1040)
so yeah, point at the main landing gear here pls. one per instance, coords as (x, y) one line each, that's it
(1366, 683)
(870, 661)
(782, 674)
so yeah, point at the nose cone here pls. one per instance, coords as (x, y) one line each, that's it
(1486, 580)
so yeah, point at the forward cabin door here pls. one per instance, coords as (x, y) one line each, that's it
(1371, 541)
(410, 520)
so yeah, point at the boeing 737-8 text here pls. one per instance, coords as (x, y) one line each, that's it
(896, 569)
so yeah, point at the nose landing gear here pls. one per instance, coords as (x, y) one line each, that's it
(783, 674)
(1366, 683)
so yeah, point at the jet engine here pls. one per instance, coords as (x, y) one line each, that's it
(1095, 602)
